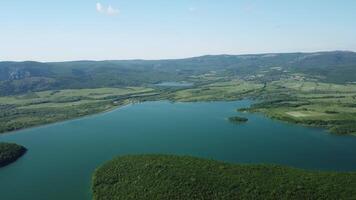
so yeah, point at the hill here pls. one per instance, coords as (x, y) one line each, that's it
(10, 153)
(22, 77)
(174, 177)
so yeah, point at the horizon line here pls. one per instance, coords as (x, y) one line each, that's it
(180, 58)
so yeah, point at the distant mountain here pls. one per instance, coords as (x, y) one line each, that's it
(22, 77)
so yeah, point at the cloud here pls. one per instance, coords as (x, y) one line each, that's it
(112, 11)
(99, 8)
(109, 10)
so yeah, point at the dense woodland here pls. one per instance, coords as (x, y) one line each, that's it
(10, 152)
(238, 120)
(174, 177)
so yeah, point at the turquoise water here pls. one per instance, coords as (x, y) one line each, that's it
(62, 156)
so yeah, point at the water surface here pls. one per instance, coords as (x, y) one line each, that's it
(62, 156)
(174, 84)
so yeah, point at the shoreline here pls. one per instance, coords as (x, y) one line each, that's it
(65, 120)
(124, 104)
(108, 111)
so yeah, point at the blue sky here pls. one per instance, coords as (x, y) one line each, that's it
(153, 29)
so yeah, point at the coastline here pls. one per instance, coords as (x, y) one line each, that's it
(127, 102)
(69, 119)
(113, 108)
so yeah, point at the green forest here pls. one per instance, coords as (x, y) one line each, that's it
(183, 177)
(10, 152)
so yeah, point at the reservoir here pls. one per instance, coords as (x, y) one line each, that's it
(174, 84)
(62, 157)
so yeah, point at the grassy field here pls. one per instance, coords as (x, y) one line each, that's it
(10, 153)
(229, 90)
(38, 108)
(174, 177)
(65, 96)
(295, 99)
(53, 91)
(331, 106)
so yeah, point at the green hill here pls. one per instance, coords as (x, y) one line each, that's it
(10, 153)
(22, 77)
(173, 177)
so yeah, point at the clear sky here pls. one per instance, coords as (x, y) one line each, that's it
(57, 30)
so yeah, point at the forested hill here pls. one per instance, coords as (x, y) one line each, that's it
(22, 77)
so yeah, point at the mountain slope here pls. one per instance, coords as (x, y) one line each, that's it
(22, 77)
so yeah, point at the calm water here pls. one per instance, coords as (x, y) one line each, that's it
(62, 157)
(174, 84)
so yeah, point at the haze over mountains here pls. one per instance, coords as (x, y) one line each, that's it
(30, 76)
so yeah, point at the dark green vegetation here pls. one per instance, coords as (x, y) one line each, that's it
(173, 177)
(238, 119)
(316, 89)
(10, 153)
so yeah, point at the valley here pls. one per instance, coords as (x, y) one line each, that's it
(227, 108)
(177, 100)
(299, 100)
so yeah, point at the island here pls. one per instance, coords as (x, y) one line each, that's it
(183, 177)
(9, 153)
(238, 120)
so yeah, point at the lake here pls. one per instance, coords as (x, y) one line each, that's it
(174, 84)
(63, 156)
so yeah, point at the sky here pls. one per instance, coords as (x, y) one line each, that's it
(154, 29)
